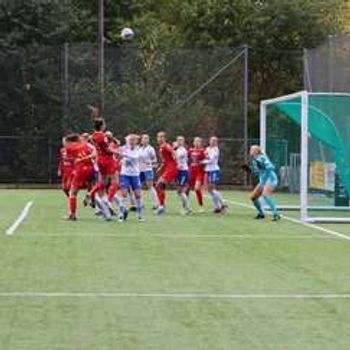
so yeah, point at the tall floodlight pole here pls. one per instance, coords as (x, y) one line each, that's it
(101, 54)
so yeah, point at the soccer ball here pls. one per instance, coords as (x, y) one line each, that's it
(127, 34)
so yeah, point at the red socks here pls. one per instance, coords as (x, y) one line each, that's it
(99, 186)
(73, 205)
(113, 188)
(161, 195)
(199, 196)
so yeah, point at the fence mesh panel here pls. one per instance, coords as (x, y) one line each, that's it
(327, 67)
(45, 91)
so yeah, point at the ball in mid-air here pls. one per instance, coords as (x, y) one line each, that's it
(127, 34)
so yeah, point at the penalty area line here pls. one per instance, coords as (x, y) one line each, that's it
(194, 296)
(22, 216)
(313, 226)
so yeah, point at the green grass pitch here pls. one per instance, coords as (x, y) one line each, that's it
(173, 282)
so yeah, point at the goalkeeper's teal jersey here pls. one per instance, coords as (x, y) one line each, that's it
(265, 170)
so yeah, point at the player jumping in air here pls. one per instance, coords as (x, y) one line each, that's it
(196, 156)
(107, 168)
(167, 170)
(268, 182)
(130, 176)
(148, 158)
(212, 171)
(183, 173)
(83, 169)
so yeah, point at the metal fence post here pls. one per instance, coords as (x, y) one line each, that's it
(245, 107)
(101, 53)
(66, 80)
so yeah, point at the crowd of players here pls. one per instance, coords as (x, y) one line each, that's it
(113, 173)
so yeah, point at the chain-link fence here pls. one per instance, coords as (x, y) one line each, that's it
(45, 93)
(327, 68)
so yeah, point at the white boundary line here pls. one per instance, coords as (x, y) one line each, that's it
(315, 227)
(22, 216)
(197, 296)
(174, 236)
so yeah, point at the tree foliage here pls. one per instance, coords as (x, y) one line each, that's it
(33, 32)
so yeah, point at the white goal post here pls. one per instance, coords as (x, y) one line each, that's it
(304, 207)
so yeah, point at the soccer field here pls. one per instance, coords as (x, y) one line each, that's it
(173, 282)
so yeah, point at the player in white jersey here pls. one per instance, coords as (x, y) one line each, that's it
(212, 170)
(130, 176)
(148, 158)
(183, 172)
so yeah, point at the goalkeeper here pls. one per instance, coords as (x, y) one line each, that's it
(268, 182)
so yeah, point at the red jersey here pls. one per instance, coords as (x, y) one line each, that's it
(195, 157)
(80, 152)
(101, 144)
(167, 156)
(66, 164)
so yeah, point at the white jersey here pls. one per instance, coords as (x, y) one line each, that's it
(147, 157)
(212, 162)
(130, 161)
(182, 158)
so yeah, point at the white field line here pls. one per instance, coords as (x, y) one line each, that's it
(22, 216)
(313, 226)
(193, 296)
(174, 236)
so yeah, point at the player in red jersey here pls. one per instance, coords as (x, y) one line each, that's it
(168, 170)
(107, 168)
(114, 144)
(82, 155)
(196, 156)
(86, 137)
(65, 169)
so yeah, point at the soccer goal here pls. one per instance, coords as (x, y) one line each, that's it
(313, 156)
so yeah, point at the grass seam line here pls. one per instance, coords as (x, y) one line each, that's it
(22, 216)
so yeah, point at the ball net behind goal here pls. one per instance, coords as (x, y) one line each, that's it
(328, 152)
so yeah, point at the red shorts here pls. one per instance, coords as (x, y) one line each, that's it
(107, 166)
(82, 176)
(170, 174)
(67, 177)
(196, 175)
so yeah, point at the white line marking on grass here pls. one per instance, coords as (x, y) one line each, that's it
(174, 236)
(313, 226)
(22, 216)
(169, 295)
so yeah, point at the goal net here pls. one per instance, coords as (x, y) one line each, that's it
(307, 136)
